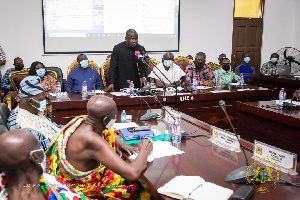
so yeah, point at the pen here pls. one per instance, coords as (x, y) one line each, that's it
(195, 189)
(150, 139)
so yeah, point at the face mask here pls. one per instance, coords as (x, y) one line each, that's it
(110, 124)
(43, 163)
(273, 60)
(226, 67)
(84, 63)
(168, 63)
(41, 72)
(198, 64)
(42, 105)
(19, 67)
(247, 59)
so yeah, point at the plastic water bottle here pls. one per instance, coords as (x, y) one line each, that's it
(282, 95)
(241, 79)
(123, 116)
(176, 131)
(84, 89)
(166, 136)
(195, 83)
(220, 82)
(131, 89)
(58, 90)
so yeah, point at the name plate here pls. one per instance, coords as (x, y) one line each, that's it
(225, 139)
(226, 154)
(284, 160)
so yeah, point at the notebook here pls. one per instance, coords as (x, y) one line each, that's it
(194, 188)
(133, 135)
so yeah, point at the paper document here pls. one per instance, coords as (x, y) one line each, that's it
(160, 149)
(98, 91)
(244, 89)
(236, 84)
(119, 126)
(220, 91)
(289, 101)
(62, 94)
(203, 87)
(119, 94)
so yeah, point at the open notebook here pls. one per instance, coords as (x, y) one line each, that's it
(194, 187)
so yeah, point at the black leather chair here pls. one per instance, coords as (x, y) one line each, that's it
(60, 77)
(4, 113)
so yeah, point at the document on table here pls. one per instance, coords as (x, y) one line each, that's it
(289, 101)
(203, 87)
(220, 91)
(118, 94)
(246, 89)
(160, 149)
(119, 126)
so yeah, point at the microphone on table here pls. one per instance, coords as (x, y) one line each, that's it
(150, 115)
(238, 175)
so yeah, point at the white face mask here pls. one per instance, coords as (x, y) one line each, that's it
(110, 124)
(43, 163)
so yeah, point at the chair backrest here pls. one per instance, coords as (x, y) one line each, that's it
(182, 62)
(10, 100)
(151, 65)
(104, 72)
(60, 77)
(214, 66)
(75, 65)
(16, 77)
(4, 113)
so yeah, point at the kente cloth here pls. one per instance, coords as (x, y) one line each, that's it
(54, 188)
(101, 179)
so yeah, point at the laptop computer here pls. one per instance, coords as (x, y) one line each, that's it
(284, 70)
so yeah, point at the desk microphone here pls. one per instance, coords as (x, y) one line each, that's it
(238, 175)
(150, 115)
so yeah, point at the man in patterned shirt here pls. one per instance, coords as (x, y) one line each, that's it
(201, 71)
(5, 84)
(226, 73)
(269, 68)
(2, 59)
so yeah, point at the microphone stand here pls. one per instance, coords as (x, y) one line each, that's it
(147, 116)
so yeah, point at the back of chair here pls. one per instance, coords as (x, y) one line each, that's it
(104, 72)
(183, 62)
(16, 77)
(75, 65)
(60, 77)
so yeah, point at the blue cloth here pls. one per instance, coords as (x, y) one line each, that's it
(246, 70)
(5, 84)
(78, 76)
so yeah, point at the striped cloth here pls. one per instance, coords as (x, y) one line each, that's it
(100, 180)
(30, 86)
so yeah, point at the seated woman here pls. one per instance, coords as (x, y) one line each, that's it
(245, 68)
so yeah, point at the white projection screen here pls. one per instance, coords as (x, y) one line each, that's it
(96, 26)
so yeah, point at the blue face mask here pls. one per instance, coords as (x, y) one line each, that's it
(168, 63)
(84, 63)
(247, 59)
(41, 72)
(43, 105)
(273, 60)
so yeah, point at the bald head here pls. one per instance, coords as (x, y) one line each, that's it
(100, 107)
(15, 149)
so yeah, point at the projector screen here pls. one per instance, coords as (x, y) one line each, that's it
(96, 26)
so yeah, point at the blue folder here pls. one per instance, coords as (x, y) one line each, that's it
(136, 135)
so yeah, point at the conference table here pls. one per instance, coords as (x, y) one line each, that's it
(202, 104)
(291, 84)
(202, 158)
(266, 122)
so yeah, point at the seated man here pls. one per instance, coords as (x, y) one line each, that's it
(245, 68)
(269, 68)
(83, 73)
(167, 71)
(226, 73)
(85, 154)
(23, 162)
(200, 71)
(29, 113)
(5, 84)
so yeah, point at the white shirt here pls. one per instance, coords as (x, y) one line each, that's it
(173, 74)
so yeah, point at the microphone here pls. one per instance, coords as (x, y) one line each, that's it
(238, 175)
(139, 54)
(149, 115)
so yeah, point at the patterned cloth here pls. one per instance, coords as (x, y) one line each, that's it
(101, 179)
(227, 77)
(54, 188)
(2, 54)
(5, 81)
(246, 70)
(269, 68)
(43, 128)
(48, 83)
(205, 74)
(30, 86)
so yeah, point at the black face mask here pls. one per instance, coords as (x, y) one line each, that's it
(19, 67)
(198, 65)
(226, 67)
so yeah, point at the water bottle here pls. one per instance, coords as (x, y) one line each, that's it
(58, 90)
(131, 89)
(166, 136)
(282, 95)
(241, 79)
(220, 82)
(176, 131)
(84, 90)
(195, 83)
(123, 116)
